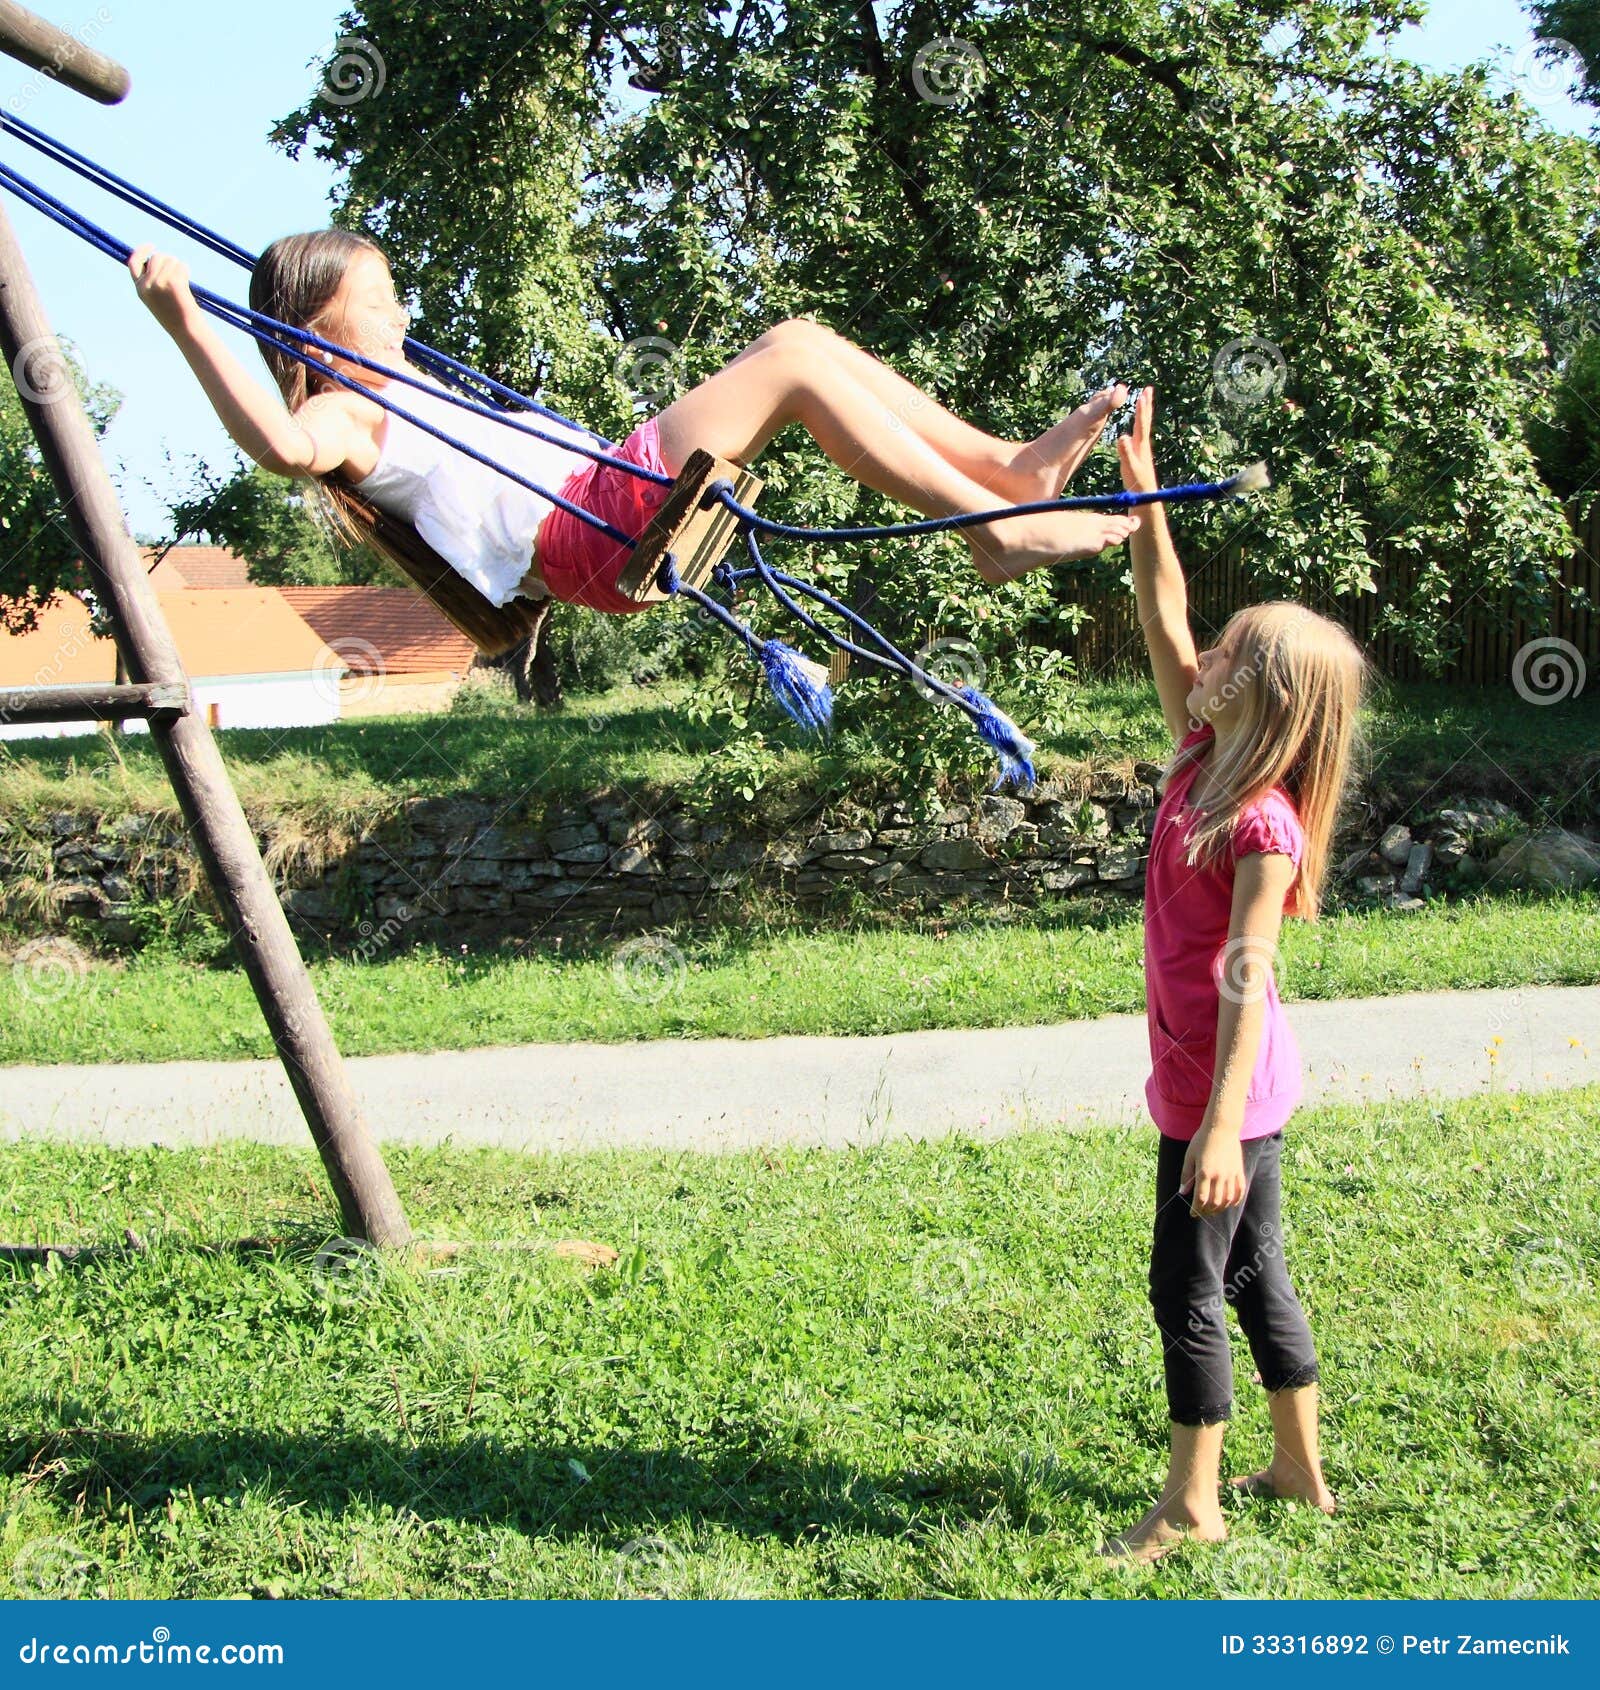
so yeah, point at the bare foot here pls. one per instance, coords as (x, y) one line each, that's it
(1166, 1526)
(1045, 465)
(1283, 1487)
(1012, 546)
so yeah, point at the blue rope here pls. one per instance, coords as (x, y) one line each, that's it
(258, 325)
(441, 363)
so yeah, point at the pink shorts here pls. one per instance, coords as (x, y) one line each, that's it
(579, 563)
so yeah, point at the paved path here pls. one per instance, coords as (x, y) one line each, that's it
(724, 1093)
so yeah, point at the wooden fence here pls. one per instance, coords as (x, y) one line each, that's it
(1112, 643)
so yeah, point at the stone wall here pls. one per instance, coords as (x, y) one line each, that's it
(448, 869)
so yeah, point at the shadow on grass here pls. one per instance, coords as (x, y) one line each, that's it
(617, 1490)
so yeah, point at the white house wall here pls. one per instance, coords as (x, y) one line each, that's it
(305, 700)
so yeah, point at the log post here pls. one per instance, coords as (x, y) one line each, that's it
(216, 820)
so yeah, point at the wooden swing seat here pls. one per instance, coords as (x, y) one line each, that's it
(694, 525)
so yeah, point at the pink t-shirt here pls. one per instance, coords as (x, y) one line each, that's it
(1186, 917)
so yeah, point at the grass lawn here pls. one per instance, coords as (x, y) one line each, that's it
(912, 1370)
(1426, 741)
(1072, 959)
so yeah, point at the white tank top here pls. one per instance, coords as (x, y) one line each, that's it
(480, 522)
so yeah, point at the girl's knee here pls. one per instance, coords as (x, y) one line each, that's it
(796, 332)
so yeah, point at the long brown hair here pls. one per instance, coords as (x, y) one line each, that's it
(1299, 680)
(294, 281)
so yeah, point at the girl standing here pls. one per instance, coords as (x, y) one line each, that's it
(1266, 721)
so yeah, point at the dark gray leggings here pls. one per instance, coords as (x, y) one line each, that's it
(1200, 1262)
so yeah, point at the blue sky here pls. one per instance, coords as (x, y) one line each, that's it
(207, 86)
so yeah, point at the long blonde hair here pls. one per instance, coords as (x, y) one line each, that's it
(1298, 681)
(294, 281)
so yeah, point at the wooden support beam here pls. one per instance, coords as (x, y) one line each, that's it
(61, 56)
(694, 525)
(98, 704)
(216, 820)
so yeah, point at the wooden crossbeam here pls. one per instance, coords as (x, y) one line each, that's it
(96, 703)
(694, 525)
(46, 48)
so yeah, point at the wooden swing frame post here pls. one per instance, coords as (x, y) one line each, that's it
(260, 931)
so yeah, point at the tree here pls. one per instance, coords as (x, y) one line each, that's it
(38, 555)
(268, 522)
(1570, 30)
(1318, 252)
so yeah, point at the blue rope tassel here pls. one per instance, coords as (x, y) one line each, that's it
(1016, 751)
(809, 704)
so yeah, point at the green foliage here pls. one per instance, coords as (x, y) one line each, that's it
(1319, 253)
(1568, 444)
(38, 556)
(1572, 23)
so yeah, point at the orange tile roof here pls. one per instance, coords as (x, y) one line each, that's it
(59, 652)
(243, 631)
(196, 566)
(389, 630)
(252, 631)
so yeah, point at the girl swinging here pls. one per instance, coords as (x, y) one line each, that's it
(507, 540)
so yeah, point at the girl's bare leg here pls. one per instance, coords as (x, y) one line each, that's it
(1019, 471)
(1296, 1466)
(1188, 1506)
(735, 412)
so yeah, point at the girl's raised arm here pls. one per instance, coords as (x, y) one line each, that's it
(1160, 592)
(314, 441)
